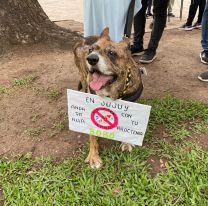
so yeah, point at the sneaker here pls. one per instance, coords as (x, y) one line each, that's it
(171, 15)
(148, 57)
(204, 57)
(203, 76)
(137, 51)
(197, 26)
(149, 14)
(185, 27)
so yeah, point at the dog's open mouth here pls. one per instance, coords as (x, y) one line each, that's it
(99, 81)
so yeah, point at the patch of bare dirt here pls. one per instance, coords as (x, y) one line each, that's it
(160, 132)
(157, 165)
(201, 139)
(176, 68)
(30, 119)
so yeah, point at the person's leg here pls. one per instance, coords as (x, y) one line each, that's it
(192, 11)
(202, 4)
(170, 8)
(160, 17)
(204, 41)
(204, 54)
(149, 7)
(197, 24)
(139, 29)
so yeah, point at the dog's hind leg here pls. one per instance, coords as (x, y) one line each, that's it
(127, 147)
(93, 157)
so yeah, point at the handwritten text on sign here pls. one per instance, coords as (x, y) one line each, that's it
(102, 117)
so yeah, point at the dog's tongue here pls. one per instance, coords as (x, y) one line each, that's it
(99, 80)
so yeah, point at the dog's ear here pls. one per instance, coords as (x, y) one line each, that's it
(79, 44)
(105, 33)
(126, 42)
(91, 40)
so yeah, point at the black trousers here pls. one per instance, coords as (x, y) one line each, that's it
(160, 17)
(193, 9)
(149, 6)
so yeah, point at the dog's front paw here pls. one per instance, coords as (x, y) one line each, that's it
(94, 161)
(127, 147)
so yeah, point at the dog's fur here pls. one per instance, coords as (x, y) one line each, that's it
(114, 59)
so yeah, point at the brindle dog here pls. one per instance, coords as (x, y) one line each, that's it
(107, 69)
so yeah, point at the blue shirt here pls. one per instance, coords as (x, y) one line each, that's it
(112, 13)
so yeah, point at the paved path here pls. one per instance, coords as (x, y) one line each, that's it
(59, 10)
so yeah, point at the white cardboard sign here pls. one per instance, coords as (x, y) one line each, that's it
(117, 120)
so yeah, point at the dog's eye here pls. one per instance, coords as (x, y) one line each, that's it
(112, 54)
(90, 50)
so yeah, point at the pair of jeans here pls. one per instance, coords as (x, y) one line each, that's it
(204, 41)
(160, 17)
(193, 9)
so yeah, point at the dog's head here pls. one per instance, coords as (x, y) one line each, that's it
(105, 66)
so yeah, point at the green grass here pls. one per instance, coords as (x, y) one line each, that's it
(179, 117)
(124, 178)
(25, 81)
(201, 128)
(36, 132)
(180, 134)
(2, 89)
(58, 125)
(54, 94)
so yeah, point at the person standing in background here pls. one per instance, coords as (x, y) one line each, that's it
(160, 17)
(204, 54)
(149, 8)
(99, 14)
(192, 12)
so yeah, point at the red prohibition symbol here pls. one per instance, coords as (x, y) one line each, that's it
(104, 118)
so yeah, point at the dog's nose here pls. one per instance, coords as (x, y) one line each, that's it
(93, 59)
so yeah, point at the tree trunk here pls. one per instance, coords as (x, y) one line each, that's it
(25, 22)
